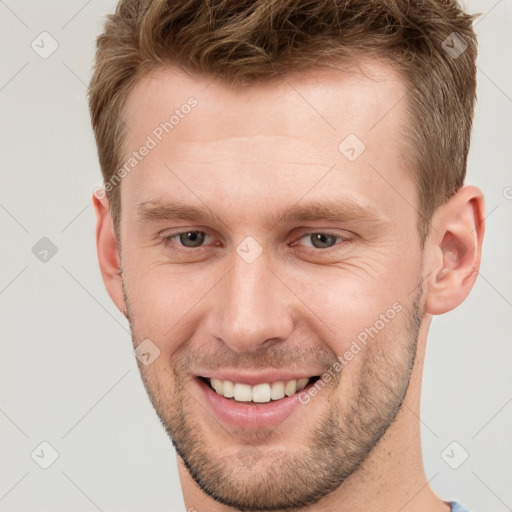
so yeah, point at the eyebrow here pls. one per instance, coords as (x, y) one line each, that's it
(342, 210)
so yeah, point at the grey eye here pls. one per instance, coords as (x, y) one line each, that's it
(322, 240)
(192, 238)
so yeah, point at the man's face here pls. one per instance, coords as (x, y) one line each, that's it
(307, 252)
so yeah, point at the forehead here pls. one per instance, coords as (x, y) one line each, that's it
(269, 141)
(353, 98)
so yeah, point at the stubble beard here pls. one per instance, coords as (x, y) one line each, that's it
(335, 446)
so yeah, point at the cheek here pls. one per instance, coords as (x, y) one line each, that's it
(170, 302)
(342, 303)
(362, 318)
(164, 300)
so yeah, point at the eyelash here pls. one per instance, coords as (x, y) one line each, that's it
(340, 238)
(167, 241)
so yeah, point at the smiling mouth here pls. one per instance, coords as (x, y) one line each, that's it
(259, 393)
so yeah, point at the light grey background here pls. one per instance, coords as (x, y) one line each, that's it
(68, 376)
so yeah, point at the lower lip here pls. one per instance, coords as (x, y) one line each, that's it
(249, 416)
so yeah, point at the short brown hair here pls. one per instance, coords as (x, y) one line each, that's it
(247, 41)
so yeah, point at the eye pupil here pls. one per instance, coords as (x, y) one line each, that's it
(192, 238)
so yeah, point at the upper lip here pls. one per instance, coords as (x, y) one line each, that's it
(260, 377)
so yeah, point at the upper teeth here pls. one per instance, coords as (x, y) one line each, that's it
(260, 392)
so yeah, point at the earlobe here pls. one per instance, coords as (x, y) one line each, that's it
(456, 243)
(108, 251)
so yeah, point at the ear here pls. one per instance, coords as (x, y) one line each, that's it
(455, 244)
(108, 250)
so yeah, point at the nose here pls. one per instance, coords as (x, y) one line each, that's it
(253, 307)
